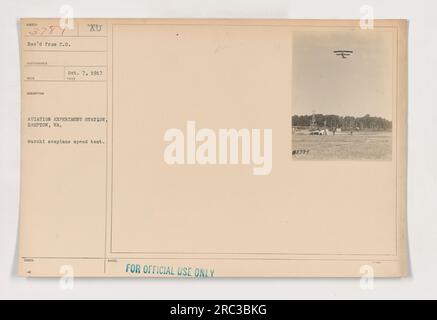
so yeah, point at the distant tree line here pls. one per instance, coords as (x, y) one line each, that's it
(345, 123)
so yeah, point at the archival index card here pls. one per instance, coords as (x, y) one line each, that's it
(213, 148)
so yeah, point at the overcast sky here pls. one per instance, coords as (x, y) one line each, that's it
(356, 86)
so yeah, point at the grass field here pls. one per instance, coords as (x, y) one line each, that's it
(359, 146)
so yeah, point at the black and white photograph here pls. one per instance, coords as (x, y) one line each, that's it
(342, 95)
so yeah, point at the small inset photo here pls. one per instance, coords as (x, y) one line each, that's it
(342, 101)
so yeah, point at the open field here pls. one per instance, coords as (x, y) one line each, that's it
(368, 145)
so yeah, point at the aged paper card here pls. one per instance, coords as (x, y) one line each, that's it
(213, 148)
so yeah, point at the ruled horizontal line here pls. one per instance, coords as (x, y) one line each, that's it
(66, 66)
(207, 258)
(65, 51)
(65, 80)
(61, 36)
